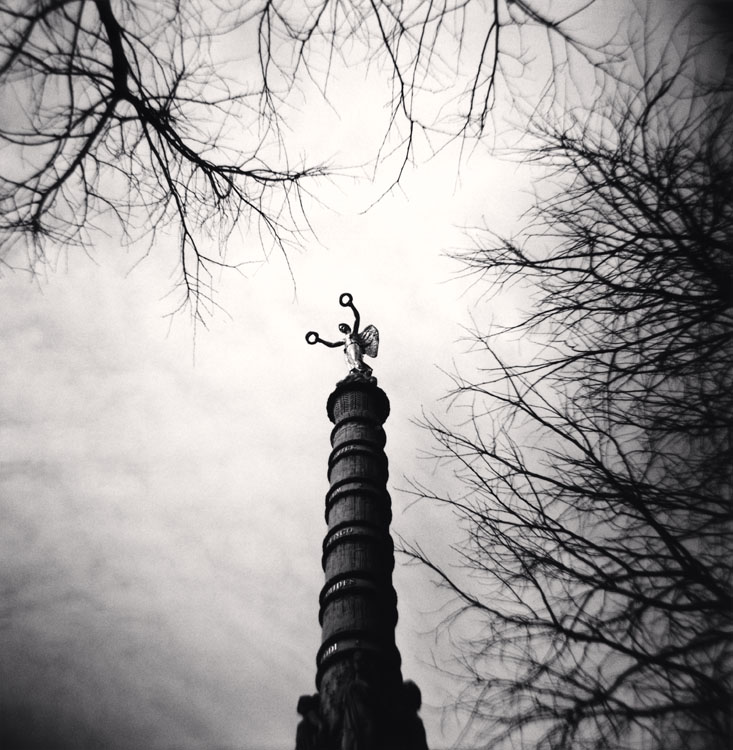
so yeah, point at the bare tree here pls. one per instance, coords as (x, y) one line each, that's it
(126, 110)
(595, 486)
(118, 111)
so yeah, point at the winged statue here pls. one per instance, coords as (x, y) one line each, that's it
(356, 343)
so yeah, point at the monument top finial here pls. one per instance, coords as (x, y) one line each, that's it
(356, 343)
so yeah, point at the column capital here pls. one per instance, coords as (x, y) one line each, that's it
(358, 396)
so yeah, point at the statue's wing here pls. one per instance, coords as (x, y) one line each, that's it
(369, 341)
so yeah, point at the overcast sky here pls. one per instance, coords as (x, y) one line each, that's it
(163, 486)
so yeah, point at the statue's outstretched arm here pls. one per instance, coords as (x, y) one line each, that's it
(346, 300)
(312, 337)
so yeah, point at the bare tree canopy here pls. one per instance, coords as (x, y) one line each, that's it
(119, 111)
(125, 116)
(594, 481)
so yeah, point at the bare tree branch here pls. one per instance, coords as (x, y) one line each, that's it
(118, 111)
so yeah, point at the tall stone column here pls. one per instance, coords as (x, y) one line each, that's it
(362, 702)
(358, 605)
